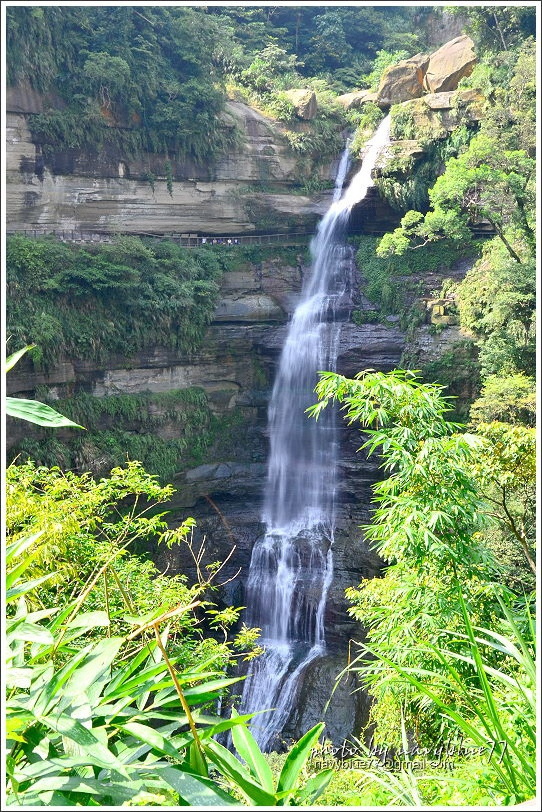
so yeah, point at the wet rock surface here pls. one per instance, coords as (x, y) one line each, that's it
(347, 711)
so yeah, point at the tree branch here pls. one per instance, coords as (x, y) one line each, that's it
(517, 533)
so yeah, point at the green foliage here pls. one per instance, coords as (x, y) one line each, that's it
(497, 306)
(361, 317)
(99, 711)
(497, 716)
(492, 178)
(509, 399)
(405, 182)
(91, 528)
(84, 725)
(314, 141)
(108, 76)
(489, 178)
(498, 28)
(324, 139)
(428, 525)
(97, 301)
(282, 107)
(338, 43)
(403, 123)
(121, 427)
(272, 66)
(384, 59)
(365, 121)
(385, 274)
(254, 782)
(458, 371)
(67, 674)
(125, 79)
(169, 177)
(241, 257)
(410, 429)
(506, 472)
(489, 183)
(81, 522)
(32, 410)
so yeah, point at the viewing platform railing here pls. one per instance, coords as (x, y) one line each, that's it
(194, 240)
(189, 240)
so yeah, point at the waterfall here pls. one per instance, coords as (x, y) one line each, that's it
(292, 564)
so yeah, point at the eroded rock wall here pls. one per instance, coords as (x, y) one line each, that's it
(74, 190)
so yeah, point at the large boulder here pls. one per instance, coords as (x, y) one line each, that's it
(436, 114)
(402, 81)
(304, 101)
(356, 99)
(450, 64)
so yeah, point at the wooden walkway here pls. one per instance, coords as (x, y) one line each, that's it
(194, 240)
(189, 240)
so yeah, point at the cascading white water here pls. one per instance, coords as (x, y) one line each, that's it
(292, 565)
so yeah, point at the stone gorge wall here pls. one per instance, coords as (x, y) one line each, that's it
(109, 191)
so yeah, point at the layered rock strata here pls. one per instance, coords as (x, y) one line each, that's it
(109, 191)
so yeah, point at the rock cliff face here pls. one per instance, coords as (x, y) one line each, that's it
(74, 191)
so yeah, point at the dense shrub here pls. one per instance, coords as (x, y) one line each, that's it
(96, 301)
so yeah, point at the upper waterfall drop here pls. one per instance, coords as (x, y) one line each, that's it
(292, 564)
(301, 481)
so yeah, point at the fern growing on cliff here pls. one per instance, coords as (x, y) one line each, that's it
(96, 301)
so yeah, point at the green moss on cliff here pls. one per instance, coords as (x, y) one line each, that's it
(389, 279)
(168, 432)
(93, 302)
(132, 78)
(128, 427)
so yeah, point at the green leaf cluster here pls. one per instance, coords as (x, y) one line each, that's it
(126, 79)
(107, 704)
(387, 276)
(339, 44)
(115, 298)
(93, 727)
(443, 490)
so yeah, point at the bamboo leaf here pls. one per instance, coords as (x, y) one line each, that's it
(98, 753)
(30, 632)
(89, 620)
(153, 738)
(314, 787)
(39, 413)
(15, 357)
(18, 547)
(26, 586)
(248, 749)
(297, 757)
(196, 790)
(232, 768)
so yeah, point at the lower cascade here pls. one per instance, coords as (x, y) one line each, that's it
(291, 567)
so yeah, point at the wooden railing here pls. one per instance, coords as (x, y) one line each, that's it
(194, 240)
(189, 240)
